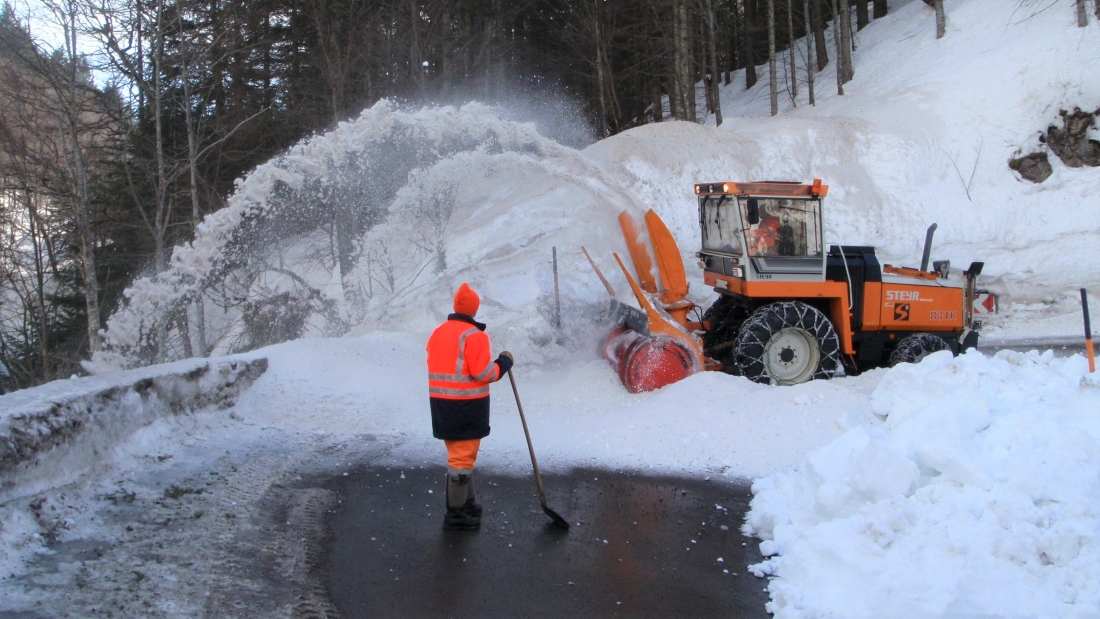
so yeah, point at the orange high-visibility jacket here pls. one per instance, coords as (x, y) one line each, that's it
(459, 373)
(460, 366)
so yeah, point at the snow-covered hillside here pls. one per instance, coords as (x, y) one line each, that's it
(957, 487)
(923, 134)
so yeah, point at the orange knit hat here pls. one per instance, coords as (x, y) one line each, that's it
(466, 300)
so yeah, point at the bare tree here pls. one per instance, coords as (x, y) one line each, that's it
(839, 51)
(790, 48)
(1082, 16)
(881, 8)
(683, 86)
(861, 14)
(844, 56)
(810, 68)
(822, 49)
(751, 17)
(715, 99)
(772, 82)
(70, 99)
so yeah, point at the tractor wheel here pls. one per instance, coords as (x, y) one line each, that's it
(787, 343)
(725, 316)
(916, 347)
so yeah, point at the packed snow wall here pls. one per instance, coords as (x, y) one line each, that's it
(53, 433)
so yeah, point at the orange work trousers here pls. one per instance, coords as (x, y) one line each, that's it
(462, 454)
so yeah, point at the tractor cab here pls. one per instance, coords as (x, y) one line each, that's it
(762, 231)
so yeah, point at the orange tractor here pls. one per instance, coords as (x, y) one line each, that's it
(790, 309)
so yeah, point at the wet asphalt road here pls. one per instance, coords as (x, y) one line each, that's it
(638, 547)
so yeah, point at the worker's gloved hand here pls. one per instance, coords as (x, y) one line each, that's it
(505, 362)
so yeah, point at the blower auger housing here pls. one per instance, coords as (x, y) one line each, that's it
(790, 309)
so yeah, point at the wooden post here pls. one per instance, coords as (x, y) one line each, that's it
(1088, 331)
(557, 297)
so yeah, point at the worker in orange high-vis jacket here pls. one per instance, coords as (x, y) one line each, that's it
(460, 368)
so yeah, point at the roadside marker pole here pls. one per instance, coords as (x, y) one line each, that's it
(557, 297)
(1088, 331)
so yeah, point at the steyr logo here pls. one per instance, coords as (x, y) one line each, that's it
(903, 295)
(901, 312)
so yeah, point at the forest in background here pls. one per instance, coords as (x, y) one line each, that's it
(115, 143)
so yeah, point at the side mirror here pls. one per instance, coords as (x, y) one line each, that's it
(754, 211)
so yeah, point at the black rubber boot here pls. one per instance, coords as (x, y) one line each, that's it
(456, 518)
(471, 508)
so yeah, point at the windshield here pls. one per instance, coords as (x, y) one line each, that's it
(721, 226)
(786, 227)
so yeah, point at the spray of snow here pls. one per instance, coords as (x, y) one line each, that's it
(433, 198)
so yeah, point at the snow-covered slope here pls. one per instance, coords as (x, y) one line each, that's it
(923, 134)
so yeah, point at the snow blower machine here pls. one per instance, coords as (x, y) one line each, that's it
(790, 309)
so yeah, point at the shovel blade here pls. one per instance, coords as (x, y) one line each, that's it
(554, 516)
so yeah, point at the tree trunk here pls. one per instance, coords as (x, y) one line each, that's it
(1082, 16)
(731, 65)
(861, 14)
(941, 19)
(822, 49)
(82, 192)
(747, 39)
(839, 51)
(1096, 6)
(160, 217)
(40, 281)
(675, 96)
(790, 48)
(809, 51)
(772, 82)
(712, 41)
(196, 211)
(682, 72)
(880, 8)
(844, 59)
(599, 69)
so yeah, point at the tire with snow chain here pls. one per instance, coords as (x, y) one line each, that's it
(916, 347)
(787, 343)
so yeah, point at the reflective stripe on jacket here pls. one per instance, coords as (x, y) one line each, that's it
(459, 363)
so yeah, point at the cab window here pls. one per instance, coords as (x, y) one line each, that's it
(721, 225)
(778, 227)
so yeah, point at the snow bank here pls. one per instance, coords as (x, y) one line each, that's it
(977, 494)
(51, 434)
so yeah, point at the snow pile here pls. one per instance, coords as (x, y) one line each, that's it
(978, 494)
(52, 434)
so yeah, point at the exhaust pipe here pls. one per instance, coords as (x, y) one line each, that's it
(927, 247)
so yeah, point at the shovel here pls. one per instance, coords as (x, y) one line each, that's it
(557, 519)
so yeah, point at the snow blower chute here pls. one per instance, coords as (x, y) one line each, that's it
(788, 310)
